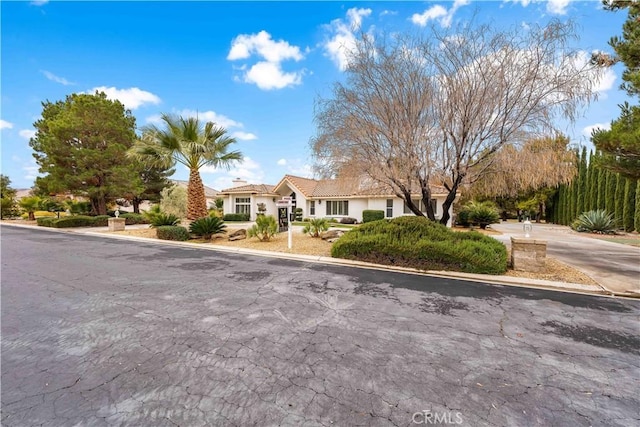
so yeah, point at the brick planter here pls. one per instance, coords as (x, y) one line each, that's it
(116, 224)
(528, 254)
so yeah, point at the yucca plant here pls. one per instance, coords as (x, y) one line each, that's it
(163, 219)
(598, 221)
(152, 213)
(482, 213)
(264, 229)
(207, 226)
(315, 227)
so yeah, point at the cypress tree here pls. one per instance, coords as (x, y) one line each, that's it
(574, 200)
(619, 198)
(610, 205)
(593, 183)
(562, 200)
(636, 221)
(582, 183)
(629, 204)
(602, 185)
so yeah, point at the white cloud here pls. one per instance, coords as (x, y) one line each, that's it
(343, 39)
(39, 2)
(558, 7)
(211, 116)
(244, 136)
(155, 119)
(388, 12)
(437, 12)
(297, 167)
(132, 98)
(5, 124)
(27, 133)
(248, 169)
(267, 74)
(282, 162)
(245, 45)
(602, 82)
(586, 131)
(49, 75)
(32, 172)
(524, 3)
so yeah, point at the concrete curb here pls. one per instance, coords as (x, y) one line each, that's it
(498, 280)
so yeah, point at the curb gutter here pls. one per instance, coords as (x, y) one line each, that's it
(598, 290)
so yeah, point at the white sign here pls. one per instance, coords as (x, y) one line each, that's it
(284, 203)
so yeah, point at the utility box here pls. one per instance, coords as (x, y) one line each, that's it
(528, 254)
(116, 224)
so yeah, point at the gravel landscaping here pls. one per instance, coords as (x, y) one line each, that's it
(305, 245)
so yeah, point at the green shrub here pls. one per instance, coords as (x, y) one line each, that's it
(419, 243)
(152, 213)
(206, 227)
(264, 229)
(172, 232)
(79, 207)
(173, 200)
(598, 221)
(483, 214)
(236, 217)
(463, 218)
(74, 221)
(315, 227)
(101, 221)
(371, 215)
(163, 219)
(134, 218)
(46, 221)
(298, 214)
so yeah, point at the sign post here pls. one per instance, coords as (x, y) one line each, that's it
(286, 202)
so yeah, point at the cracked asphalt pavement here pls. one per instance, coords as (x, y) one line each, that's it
(98, 331)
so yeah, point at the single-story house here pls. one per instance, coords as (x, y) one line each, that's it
(325, 198)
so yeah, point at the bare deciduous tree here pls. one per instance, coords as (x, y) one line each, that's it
(414, 111)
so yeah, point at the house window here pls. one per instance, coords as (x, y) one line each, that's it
(337, 207)
(389, 208)
(312, 208)
(243, 205)
(434, 205)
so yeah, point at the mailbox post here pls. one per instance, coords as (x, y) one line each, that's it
(286, 202)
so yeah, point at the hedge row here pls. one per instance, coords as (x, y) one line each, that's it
(371, 215)
(74, 221)
(172, 232)
(419, 243)
(236, 217)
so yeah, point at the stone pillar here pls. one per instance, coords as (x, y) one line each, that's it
(528, 254)
(116, 224)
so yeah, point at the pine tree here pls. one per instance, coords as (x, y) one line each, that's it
(582, 182)
(619, 198)
(629, 204)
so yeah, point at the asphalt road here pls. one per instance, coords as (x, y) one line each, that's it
(97, 331)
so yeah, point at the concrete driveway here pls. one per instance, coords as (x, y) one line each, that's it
(100, 332)
(615, 266)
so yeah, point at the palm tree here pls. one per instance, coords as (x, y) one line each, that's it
(30, 204)
(190, 142)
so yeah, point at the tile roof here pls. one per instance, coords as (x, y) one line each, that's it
(208, 191)
(312, 188)
(251, 188)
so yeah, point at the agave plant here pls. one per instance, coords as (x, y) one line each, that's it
(315, 227)
(163, 219)
(264, 229)
(207, 226)
(598, 221)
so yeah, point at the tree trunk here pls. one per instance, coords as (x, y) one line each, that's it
(449, 200)
(426, 199)
(98, 206)
(196, 200)
(136, 205)
(406, 195)
(32, 216)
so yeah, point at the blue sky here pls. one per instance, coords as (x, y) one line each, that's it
(254, 67)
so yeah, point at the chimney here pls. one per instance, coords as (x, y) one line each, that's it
(238, 182)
